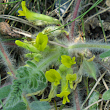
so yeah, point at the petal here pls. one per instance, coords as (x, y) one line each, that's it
(49, 76)
(64, 94)
(66, 60)
(64, 100)
(59, 95)
(71, 85)
(73, 60)
(53, 76)
(41, 41)
(67, 99)
(23, 4)
(21, 13)
(71, 77)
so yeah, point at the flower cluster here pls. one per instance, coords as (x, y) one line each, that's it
(35, 46)
(64, 75)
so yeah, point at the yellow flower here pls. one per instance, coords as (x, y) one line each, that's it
(70, 78)
(53, 76)
(67, 61)
(41, 41)
(64, 94)
(36, 18)
(28, 14)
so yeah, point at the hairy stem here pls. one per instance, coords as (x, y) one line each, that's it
(5, 57)
(76, 99)
(74, 16)
(89, 45)
(48, 60)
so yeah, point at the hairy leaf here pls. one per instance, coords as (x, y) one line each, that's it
(31, 64)
(89, 68)
(31, 78)
(4, 91)
(94, 97)
(106, 95)
(19, 106)
(105, 54)
(37, 105)
(15, 94)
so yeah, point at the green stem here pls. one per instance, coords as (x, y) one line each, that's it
(90, 45)
(48, 60)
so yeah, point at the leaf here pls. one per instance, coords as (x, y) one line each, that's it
(94, 97)
(4, 91)
(15, 94)
(31, 64)
(31, 78)
(19, 106)
(37, 105)
(89, 68)
(105, 54)
(106, 95)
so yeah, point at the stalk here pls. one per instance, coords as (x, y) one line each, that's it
(7, 60)
(90, 45)
(74, 16)
(76, 99)
(48, 60)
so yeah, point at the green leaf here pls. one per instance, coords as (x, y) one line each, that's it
(15, 94)
(94, 97)
(89, 68)
(37, 105)
(4, 91)
(31, 64)
(19, 106)
(106, 95)
(105, 54)
(31, 78)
